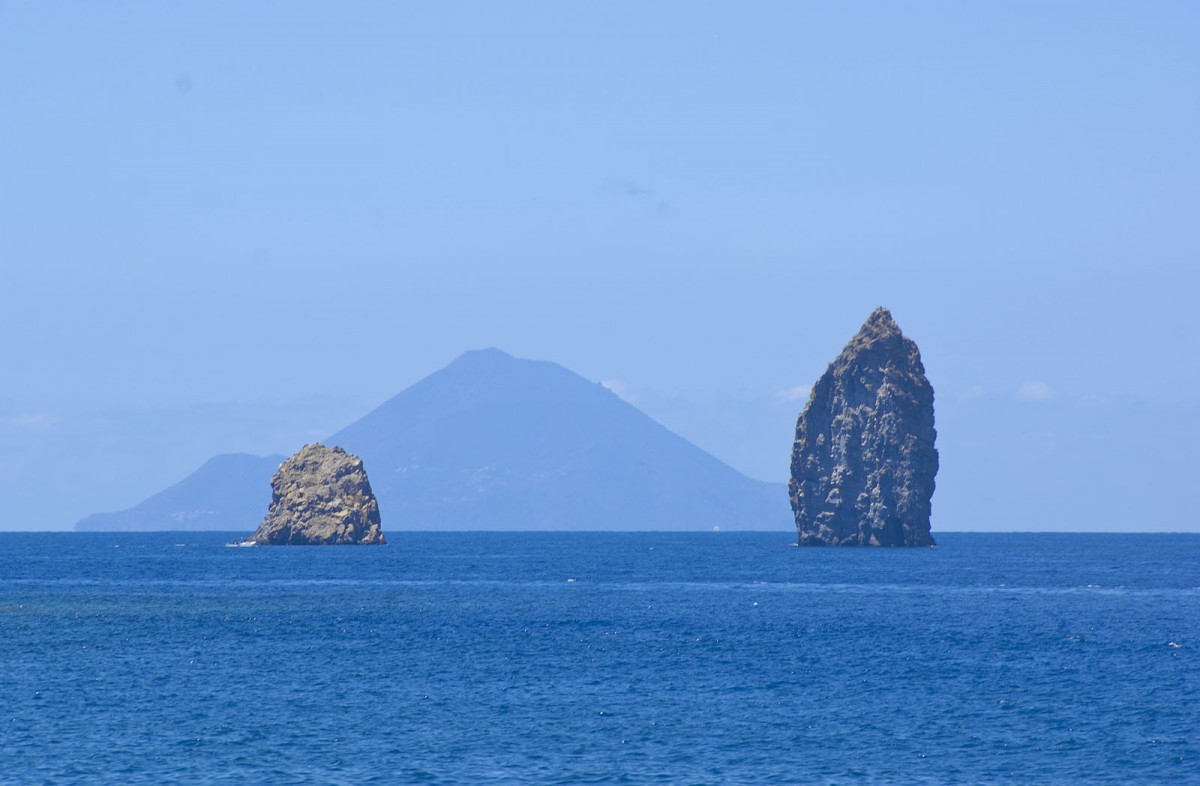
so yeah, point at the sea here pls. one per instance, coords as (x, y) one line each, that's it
(599, 658)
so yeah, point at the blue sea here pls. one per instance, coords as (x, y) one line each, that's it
(594, 658)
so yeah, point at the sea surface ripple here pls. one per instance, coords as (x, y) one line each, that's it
(596, 658)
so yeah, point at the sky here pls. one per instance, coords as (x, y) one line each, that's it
(240, 226)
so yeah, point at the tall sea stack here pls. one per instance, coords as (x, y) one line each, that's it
(320, 496)
(864, 461)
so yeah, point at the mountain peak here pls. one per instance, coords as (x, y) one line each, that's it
(487, 353)
(879, 333)
(494, 441)
(489, 357)
(498, 442)
(879, 325)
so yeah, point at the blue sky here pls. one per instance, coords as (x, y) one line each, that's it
(234, 226)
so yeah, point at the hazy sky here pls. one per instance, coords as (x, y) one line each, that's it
(238, 226)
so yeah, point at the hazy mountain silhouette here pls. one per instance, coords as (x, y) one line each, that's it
(225, 493)
(495, 442)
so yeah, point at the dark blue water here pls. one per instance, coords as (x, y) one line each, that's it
(673, 659)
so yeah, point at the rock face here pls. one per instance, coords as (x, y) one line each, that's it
(320, 496)
(864, 461)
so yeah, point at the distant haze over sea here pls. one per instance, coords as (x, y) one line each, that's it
(1035, 461)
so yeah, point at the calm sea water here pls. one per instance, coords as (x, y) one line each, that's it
(599, 658)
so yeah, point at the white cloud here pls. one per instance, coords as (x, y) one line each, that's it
(1033, 390)
(620, 388)
(975, 391)
(797, 393)
(32, 422)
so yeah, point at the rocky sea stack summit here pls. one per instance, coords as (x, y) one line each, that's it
(320, 497)
(864, 461)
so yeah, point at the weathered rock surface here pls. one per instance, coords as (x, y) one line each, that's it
(320, 496)
(864, 461)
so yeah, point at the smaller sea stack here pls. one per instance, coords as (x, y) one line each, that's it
(864, 461)
(320, 497)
